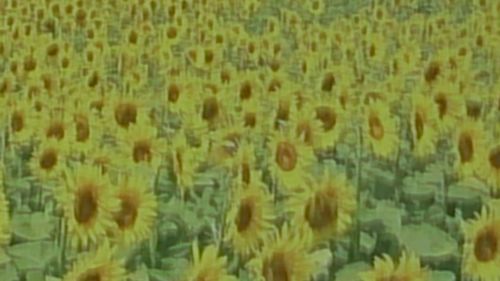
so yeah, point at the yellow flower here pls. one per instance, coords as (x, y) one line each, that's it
(125, 110)
(141, 147)
(481, 256)
(289, 160)
(226, 143)
(85, 131)
(423, 123)
(489, 166)
(408, 268)
(21, 123)
(185, 161)
(324, 208)
(284, 257)
(48, 160)
(88, 204)
(380, 130)
(207, 266)
(4, 218)
(249, 219)
(244, 165)
(468, 147)
(332, 119)
(136, 217)
(179, 94)
(54, 124)
(450, 105)
(307, 127)
(97, 265)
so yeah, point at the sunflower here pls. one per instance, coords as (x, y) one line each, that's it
(207, 266)
(88, 204)
(408, 268)
(185, 161)
(137, 213)
(324, 208)
(125, 110)
(225, 144)
(450, 105)
(249, 219)
(104, 157)
(283, 257)
(306, 126)
(469, 146)
(54, 124)
(179, 94)
(289, 159)
(97, 265)
(244, 165)
(140, 146)
(85, 131)
(481, 258)
(251, 118)
(248, 87)
(380, 129)
(48, 160)
(423, 123)
(20, 121)
(4, 219)
(489, 166)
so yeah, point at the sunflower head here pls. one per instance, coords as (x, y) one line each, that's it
(380, 129)
(207, 265)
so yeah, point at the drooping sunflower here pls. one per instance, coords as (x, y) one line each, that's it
(249, 219)
(450, 105)
(88, 205)
(285, 256)
(140, 146)
(423, 125)
(324, 208)
(136, 216)
(481, 257)
(380, 130)
(468, 147)
(289, 160)
(408, 268)
(100, 264)
(49, 160)
(489, 166)
(207, 265)
(4, 219)
(185, 160)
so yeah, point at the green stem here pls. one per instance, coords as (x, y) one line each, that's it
(355, 242)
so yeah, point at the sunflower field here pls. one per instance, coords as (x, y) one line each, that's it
(252, 140)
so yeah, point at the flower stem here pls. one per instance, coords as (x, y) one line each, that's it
(355, 242)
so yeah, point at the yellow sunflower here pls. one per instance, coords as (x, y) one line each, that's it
(468, 147)
(489, 166)
(4, 219)
(207, 265)
(21, 123)
(251, 118)
(179, 94)
(285, 256)
(307, 127)
(54, 124)
(244, 165)
(225, 145)
(324, 208)
(136, 217)
(125, 110)
(380, 130)
(332, 120)
(49, 160)
(423, 123)
(289, 160)
(88, 204)
(85, 131)
(450, 105)
(100, 264)
(481, 257)
(104, 157)
(408, 268)
(185, 161)
(250, 218)
(140, 146)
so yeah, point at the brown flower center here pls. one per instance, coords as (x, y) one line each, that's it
(321, 211)
(419, 125)
(82, 128)
(245, 173)
(127, 215)
(250, 119)
(17, 121)
(85, 209)
(245, 215)
(286, 156)
(282, 114)
(304, 131)
(328, 82)
(245, 91)
(494, 157)
(48, 159)
(432, 72)
(376, 127)
(173, 93)
(276, 268)
(465, 148)
(210, 109)
(486, 246)
(327, 116)
(55, 130)
(142, 151)
(442, 104)
(90, 276)
(125, 114)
